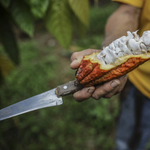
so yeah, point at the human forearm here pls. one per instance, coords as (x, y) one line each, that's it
(125, 18)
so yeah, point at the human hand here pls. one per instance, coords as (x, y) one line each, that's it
(106, 90)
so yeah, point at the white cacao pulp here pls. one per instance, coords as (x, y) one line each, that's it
(131, 44)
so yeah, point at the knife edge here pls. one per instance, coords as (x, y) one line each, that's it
(43, 100)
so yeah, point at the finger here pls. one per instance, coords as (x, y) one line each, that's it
(77, 57)
(123, 80)
(112, 93)
(118, 89)
(83, 53)
(83, 94)
(105, 89)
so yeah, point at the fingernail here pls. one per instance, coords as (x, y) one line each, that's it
(75, 59)
(91, 90)
(114, 84)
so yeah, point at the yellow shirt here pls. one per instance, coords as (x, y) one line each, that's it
(140, 77)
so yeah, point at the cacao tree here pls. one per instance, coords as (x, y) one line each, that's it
(60, 18)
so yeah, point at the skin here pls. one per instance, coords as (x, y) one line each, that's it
(126, 19)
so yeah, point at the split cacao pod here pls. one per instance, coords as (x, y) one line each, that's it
(120, 57)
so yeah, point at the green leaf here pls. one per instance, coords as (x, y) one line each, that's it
(81, 10)
(7, 36)
(5, 65)
(5, 3)
(81, 29)
(22, 16)
(59, 22)
(38, 7)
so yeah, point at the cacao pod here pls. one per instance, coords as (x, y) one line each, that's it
(120, 57)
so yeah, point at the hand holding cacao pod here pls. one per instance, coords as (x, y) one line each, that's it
(120, 57)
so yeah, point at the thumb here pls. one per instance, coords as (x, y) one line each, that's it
(76, 62)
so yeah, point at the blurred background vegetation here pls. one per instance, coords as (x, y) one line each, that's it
(37, 40)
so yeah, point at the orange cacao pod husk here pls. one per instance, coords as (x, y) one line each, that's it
(94, 71)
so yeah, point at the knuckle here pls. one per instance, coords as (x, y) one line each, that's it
(106, 90)
(100, 93)
(108, 96)
(96, 97)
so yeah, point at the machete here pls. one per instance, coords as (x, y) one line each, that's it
(47, 99)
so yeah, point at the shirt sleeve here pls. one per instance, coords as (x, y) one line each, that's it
(136, 3)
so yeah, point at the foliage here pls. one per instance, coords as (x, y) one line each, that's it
(7, 36)
(5, 64)
(59, 21)
(58, 16)
(5, 3)
(21, 15)
(81, 9)
(38, 7)
(83, 126)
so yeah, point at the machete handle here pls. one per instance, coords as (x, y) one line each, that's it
(68, 88)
